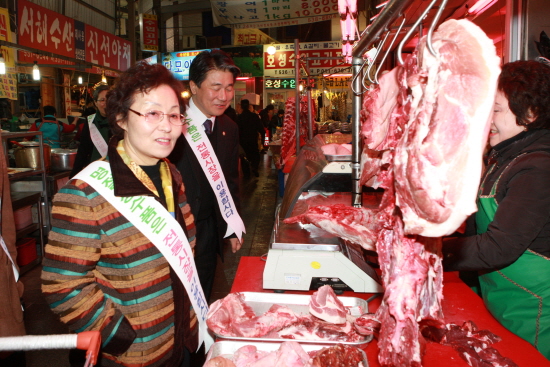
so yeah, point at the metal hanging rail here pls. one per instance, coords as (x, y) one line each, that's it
(391, 12)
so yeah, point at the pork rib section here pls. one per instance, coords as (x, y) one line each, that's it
(438, 162)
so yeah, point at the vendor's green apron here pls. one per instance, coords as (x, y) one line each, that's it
(515, 295)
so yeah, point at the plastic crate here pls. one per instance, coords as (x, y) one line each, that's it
(22, 217)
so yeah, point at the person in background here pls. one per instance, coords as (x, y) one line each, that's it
(508, 240)
(231, 113)
(11, 313)
(51, 128)
(212, 76)
(100, 271)
(238, 108)
(267, 114)
(277, 121)
(250, 126)
(95, 133)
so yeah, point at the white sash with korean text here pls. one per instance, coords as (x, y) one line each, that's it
(199, 142)
(97, 138)
(158, 225)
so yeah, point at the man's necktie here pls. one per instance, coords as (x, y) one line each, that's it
(208, 126)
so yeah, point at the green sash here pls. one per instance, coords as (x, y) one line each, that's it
(515, 295)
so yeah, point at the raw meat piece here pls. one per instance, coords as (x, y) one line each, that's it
(219, 362)
(288, 147)
(336, 149)
(231, 316)
(337, 355)
(289, 354)
(275, 318)
(356, 225)
(436, 177)
(247, 355)
(325, 305)
(226, 311)
(366, 324)
(310, 328)
(473, 345)
(378, 106)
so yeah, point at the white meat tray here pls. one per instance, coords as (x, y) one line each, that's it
(299, 303)
(227, 348)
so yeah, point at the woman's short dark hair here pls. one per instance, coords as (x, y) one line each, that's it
(140, 78)
(100, 88)
(211, 60)
(526, 85)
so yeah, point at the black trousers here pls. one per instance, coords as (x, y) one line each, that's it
(206, 253)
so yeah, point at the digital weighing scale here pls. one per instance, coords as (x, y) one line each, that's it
(305, 257)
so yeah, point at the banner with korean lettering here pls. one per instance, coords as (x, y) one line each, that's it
(249, 36)
(44, 29)
(5, 35)
(148, 25)
(281, 64)
(271, 13)
(107, 50)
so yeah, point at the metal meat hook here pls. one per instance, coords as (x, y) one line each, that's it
(411, 30)
(432, 27)
(380, 46)
(389, 49)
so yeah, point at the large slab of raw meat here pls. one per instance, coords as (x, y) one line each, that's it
(438, 161)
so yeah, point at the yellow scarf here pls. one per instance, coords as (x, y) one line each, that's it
(165, 176)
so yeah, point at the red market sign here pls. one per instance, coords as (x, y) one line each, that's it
(46, 30)
(149, 32)
(107, 50)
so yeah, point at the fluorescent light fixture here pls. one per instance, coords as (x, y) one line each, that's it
(35, 71)
(481, 6)
(80, 79)
(2, 65)
(243, 78)
(271, 50)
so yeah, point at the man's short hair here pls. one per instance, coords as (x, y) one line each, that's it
(211, 60)
(49, 110)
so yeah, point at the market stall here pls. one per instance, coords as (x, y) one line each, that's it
(460, 304)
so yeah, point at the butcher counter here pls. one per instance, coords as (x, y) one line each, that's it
(460, 304)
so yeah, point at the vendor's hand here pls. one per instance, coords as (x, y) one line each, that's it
(235, 244)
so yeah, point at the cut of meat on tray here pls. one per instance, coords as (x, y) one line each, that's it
(325, 305)
(356, 225)
(367, 324)
(219, 362)
(291, 354)
(337, 355)
(473, 345)
(310, 328)
(438, 161)
(231, 316)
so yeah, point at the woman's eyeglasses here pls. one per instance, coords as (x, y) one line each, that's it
(155, 117)
(101, 100)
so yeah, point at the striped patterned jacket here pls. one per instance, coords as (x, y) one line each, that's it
(101, 273)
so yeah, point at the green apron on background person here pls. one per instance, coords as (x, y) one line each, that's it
(515, 295)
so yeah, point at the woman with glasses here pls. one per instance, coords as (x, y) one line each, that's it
(95, 132)
(120, 252)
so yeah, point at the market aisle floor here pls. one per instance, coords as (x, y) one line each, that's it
(259, 199)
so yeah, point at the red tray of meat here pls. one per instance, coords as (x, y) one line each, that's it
(294, 354)
(275, 317)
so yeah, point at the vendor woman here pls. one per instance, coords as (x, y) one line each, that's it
(104, 269)
(509, 245)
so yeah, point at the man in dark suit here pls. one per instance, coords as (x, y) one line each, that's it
(212, 76)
